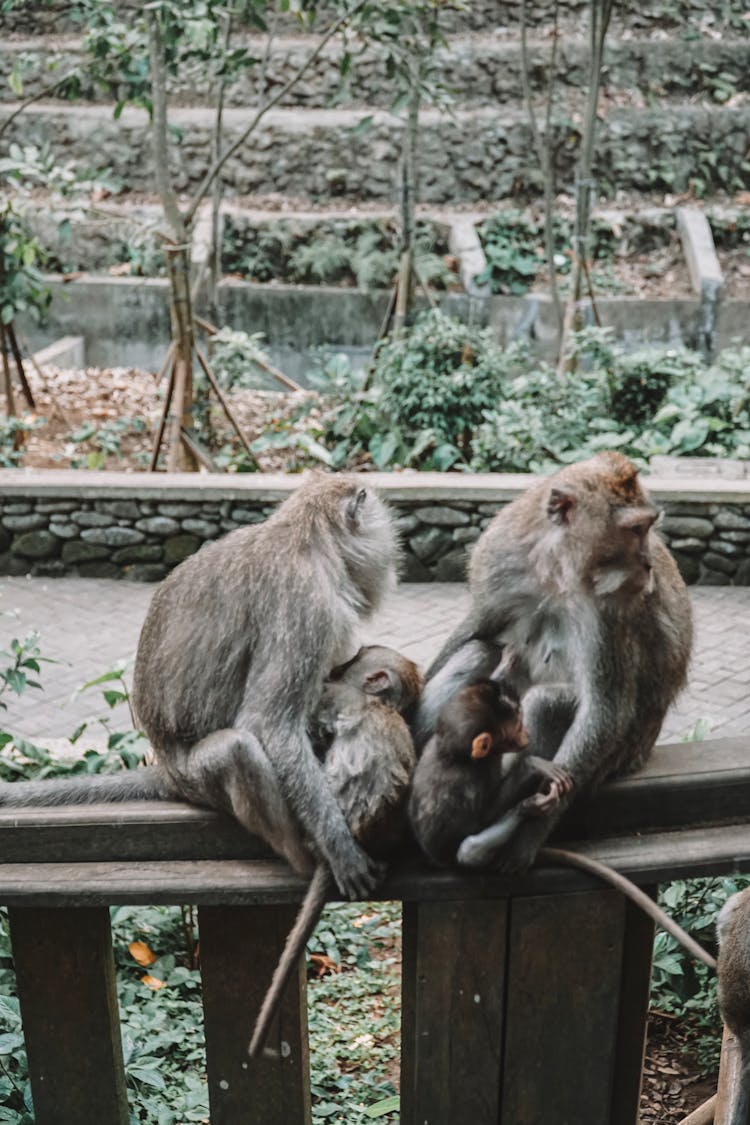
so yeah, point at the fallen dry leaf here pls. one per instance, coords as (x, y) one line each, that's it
(153, 982)
(323, 965)
(141, 953)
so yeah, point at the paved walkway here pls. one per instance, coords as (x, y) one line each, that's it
(86, 625)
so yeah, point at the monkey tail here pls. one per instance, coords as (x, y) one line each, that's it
(305, 922)
(146, 783)
(614, 878)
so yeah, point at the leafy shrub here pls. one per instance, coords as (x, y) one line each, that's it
(678, 983)
(446, 396)
(429, 390)
(358, 252)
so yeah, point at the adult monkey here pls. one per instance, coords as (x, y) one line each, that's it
(230, 666)
(573, 587)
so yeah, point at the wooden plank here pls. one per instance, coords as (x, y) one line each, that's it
(691, 783)
(681, 785)
(564, 961)
(132, 830)
(635, 982)
(452, 1016)
(645, 859)
(66, 985)
(239, 949)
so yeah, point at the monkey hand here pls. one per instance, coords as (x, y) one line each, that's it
(356, 874)
(558, 785)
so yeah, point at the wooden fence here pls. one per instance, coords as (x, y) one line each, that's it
(523, 1000)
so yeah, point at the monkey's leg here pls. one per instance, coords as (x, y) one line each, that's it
(479, 850)
(310, 798)
(229, 769)
(474, 658)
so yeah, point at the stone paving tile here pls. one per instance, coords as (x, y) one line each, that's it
(88, 624)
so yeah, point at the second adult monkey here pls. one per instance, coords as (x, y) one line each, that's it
(369, 765)
(573, 579)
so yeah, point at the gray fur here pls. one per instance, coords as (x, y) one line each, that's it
(147, 784)
(573, 578)
(230, 667)
(733, 929)
(369, 767)
(232, 658)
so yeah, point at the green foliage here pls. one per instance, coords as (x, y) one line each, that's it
(22, 287)
(513, 244)
(361, 252)
(237, 360)
(11, 448)
(445, 396)
(103, 441)
(428, 391)
(678, 983)
(20, 758)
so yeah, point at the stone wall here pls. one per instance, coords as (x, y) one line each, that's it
(137, 527)
(474, 155)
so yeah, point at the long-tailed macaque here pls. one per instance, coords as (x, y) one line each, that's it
(369, 765)
(231, 661)
(475, 772)
(733, 928)
(573, 579)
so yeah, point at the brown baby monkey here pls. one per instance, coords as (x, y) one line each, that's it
(475, 775)
(369, 762)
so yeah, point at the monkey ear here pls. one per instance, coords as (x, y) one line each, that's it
(377, 683)
(560, 504)
(354, 506)
(481, 745)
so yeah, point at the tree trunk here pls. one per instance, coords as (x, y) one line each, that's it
(179, 458)
(405, 283)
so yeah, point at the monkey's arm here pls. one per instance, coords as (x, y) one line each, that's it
(479, 849)
(470, 658)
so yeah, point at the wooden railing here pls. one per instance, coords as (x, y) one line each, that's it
(523, 1000)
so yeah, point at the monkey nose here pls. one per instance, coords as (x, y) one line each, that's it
(523, 738)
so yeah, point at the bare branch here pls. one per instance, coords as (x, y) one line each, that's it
(260, 114)
(543, 146)
(37, 97)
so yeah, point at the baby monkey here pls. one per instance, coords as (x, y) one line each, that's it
(369, 762)
(475, 776)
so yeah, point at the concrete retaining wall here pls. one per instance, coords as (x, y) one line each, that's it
(139, 526)
(125, 321)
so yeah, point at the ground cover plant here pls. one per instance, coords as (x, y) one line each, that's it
(449, 397)
(625, 252)
(353, 252)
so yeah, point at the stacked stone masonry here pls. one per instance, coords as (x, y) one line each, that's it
(139, 539)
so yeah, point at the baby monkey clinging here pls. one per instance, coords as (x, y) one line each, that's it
(475, 775)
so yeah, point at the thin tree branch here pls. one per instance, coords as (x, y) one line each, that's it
(260, 114)
(159, 130)
(37, 97)
(543, 147)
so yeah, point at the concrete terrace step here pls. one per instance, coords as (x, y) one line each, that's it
(471, 155)
(477, 69)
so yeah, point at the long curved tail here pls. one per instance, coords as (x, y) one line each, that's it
(145, 783)
(305, 922)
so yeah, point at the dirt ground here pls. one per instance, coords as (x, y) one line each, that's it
(120, 408)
